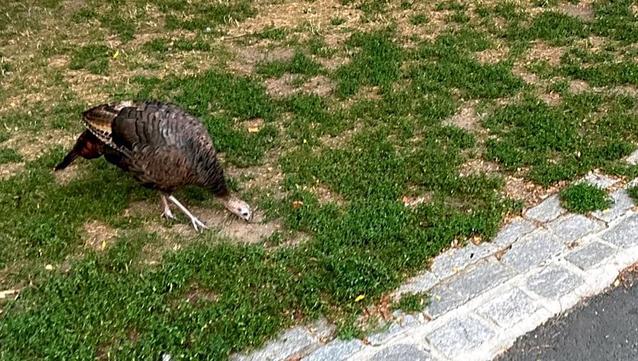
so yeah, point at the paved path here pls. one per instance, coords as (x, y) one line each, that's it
(484, 297)
(603, 328)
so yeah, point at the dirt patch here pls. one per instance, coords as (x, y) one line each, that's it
(238, 230)
(284, 86)
(333, 63)
(466, 118)
(31, 146)
(88, 86)
(578, 86)
(630, 90)
(281, 87)
(336, 142)
(551, 98)
(8, 170)
(315, 16)
(246, 57)
(413, 201)
(592, 43)
(478, 166)
(319, 85)
(197, 294)
(492, 56)
(65, 176)
(325, 195)
(70, 6)
(530, 78)
(265, 178)
(59, 62)
(542, 51)
(253, 125)
(528, 192)
(217, 220)
(583, 10)
(99, 235)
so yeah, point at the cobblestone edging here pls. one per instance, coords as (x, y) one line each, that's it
(484, 297)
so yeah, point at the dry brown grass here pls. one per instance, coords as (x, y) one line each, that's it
(291, 14)
(542, 51)
(583, 10)
(99, 235)
(492, 55)
(8, 170)
(466, 118)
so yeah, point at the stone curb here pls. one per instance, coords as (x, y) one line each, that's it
(484, 297)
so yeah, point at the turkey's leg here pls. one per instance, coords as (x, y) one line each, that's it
(196, 222)
(167, 210)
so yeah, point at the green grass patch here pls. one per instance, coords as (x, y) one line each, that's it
(584, 198)
(299, 64)
(600, 68)
(205, 15)
(272, 33)
(616, 20)
(376, 63)
(418, 19)
(554, 142)
(317, 46)
(94, 58)
(412, 302)
(633, 193)
(447, 63)
(556, 27)
(348, 162)
(8, 155)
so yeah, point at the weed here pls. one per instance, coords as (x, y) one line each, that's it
(418, 19)
(412, 302)
(633, 193)
(584, 198)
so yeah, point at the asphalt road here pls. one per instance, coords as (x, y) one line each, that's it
(603, 328)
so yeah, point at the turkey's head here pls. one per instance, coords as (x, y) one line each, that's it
(238, 207)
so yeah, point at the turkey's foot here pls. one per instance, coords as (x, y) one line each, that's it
(197, 224)
(167, 213)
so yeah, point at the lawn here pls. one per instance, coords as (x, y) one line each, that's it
(370, 135)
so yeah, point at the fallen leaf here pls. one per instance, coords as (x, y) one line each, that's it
(297, 204)
(7, 293)
(359, 298)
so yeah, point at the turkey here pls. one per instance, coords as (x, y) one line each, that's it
(161, 146)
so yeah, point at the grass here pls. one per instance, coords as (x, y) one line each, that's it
(332, 168)
(94, 58)
(412, 302)
(633, 193)
(8, 155)
(584, 198)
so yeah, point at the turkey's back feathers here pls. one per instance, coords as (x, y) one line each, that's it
(159, 144)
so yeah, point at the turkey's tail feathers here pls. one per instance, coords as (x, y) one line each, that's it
(87, 146)
(99, 121)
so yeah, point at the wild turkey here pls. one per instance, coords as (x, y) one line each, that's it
(161, 146)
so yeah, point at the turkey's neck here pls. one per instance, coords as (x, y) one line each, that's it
(211, 174)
